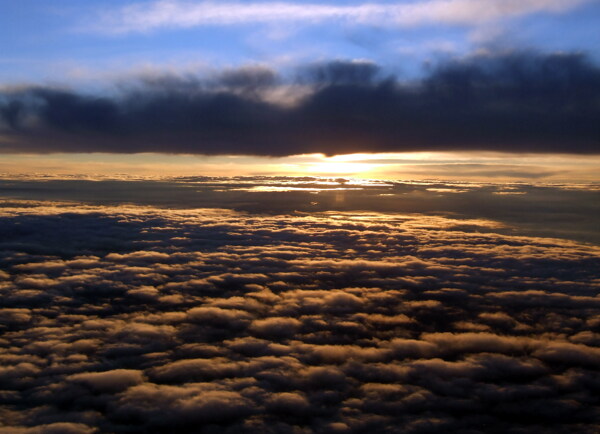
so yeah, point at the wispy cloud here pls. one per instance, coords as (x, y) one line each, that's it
(143, 17)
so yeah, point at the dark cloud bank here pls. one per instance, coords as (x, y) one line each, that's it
(519, 102)
(139, 319)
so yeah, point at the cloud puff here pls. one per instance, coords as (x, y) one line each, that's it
(109, 381)
(515, 102)
(216, 320)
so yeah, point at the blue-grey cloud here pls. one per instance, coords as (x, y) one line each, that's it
(519, 102)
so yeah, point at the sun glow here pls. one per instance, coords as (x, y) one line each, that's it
(333, 167)
(470, 166)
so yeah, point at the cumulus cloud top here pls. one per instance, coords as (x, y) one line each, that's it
(216, 320)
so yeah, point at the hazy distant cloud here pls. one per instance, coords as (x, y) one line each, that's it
(142, 17)
(515, 102)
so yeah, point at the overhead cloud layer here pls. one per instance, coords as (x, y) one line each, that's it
(519, 102)
(139, 319)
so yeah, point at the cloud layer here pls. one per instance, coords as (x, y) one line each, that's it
(139, 319)
(567, 211)
(519, 102)
(186, 14)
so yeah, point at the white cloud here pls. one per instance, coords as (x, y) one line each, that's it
(185, 14)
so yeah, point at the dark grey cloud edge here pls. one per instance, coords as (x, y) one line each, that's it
(516, 102)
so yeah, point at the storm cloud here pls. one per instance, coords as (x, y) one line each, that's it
(145, 319)
(513, 102)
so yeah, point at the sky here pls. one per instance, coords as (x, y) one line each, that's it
(299, 217)
(73, 40)
(193, 84)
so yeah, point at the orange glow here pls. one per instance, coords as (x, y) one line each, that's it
(333, 167)
(465, 166)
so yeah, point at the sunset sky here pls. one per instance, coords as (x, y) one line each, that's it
(505, 89)
(299, 217)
